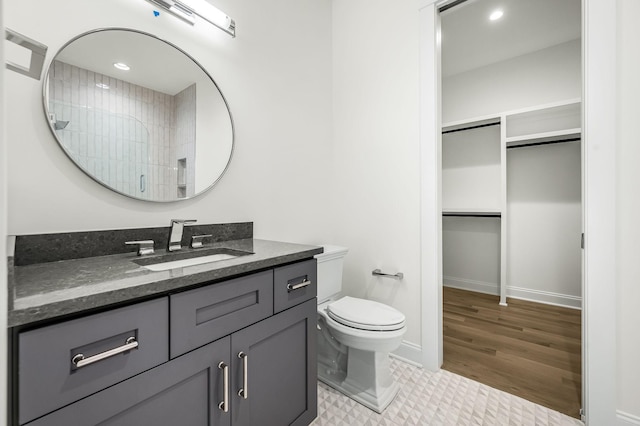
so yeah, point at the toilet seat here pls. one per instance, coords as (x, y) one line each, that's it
(365, 314)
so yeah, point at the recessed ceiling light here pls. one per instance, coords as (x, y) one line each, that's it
(496, 14)
(122, 66)
(102, 86)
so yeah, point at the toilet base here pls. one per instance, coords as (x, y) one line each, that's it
(368, 379)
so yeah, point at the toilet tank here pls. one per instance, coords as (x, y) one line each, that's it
(330, 271)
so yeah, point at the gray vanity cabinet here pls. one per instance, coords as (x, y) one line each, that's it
(276, 374)
(216, 355)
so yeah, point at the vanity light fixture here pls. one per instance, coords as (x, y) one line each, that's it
(188, 10)
(496, 14)
(122, 66)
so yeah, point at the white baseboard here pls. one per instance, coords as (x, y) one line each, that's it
(539, 296)
(409, 353)
(472, 285)
(626, 419)
(547, 297)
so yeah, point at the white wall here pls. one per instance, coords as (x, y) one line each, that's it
(628, 205)
(544, 259)
(538, 78)
(471, 169)
(471, 253)
(376, 150)
(276, 76)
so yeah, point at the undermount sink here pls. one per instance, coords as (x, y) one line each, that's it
(190, 258)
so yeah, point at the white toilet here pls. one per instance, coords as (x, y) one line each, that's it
(355, 337)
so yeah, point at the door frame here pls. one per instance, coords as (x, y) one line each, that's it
(3, 232)
(598, 139)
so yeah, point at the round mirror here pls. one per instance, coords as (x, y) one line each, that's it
(138, 115)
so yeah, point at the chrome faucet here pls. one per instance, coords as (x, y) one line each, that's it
(175, 235)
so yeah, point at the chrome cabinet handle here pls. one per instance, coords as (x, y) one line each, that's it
(291, 287)
(224, 404)
(244, 392)
(80, 361)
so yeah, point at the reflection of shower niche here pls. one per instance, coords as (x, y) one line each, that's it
(182, 178)
(126, 136)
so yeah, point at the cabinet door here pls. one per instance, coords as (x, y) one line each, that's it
(281, 369)
(185, 391)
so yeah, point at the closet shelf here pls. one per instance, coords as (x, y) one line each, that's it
(538, 138)
(470, 124)
(472, 212)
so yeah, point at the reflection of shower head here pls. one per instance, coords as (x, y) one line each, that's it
(59, 125)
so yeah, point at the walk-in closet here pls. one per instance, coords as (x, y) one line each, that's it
(512, 198)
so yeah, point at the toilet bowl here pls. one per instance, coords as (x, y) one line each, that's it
(355, 337)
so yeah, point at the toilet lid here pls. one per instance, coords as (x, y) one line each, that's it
(365, 314)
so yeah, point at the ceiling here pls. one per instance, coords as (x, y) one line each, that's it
(154, 63)
(470, 40)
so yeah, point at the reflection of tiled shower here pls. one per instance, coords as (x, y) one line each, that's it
(125, 135)
(123, 165)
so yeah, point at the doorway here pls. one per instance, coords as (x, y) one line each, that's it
(511, 197)
(598, 102)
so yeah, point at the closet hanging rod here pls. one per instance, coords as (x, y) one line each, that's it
(451, 5)
(523, 145)
(471, 127)
(450, 214)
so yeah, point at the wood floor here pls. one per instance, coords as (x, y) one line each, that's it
(528, 349)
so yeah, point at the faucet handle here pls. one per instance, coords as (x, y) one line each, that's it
(144, 246)
(196, 240)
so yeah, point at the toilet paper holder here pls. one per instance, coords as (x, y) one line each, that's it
(396, 276)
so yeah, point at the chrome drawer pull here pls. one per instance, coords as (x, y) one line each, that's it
(224, 405)
(80, 361)
(244, 392)
(291, 287)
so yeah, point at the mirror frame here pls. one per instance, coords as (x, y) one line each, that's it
(45, 85)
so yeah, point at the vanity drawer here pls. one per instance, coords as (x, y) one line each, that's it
(206, 314)
(48, 378)
(294, 284)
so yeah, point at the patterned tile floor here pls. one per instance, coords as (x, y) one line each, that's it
(441, 398)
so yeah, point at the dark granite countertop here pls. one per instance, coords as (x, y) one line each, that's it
(48, 290)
